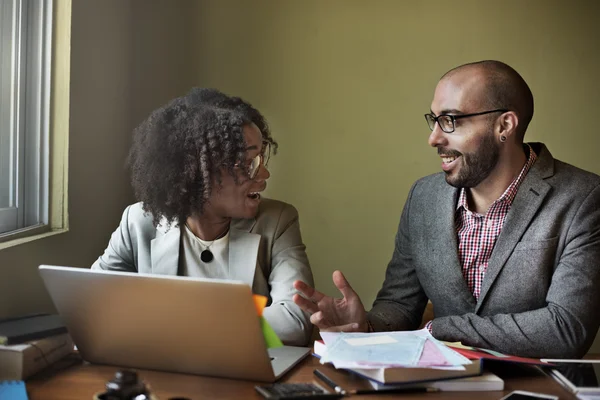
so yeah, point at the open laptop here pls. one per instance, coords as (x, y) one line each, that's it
(175, 324)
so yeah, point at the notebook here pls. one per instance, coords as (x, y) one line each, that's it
(484, 382)
(12, 390)
(29, 327)
(167, 323)
(476, 353)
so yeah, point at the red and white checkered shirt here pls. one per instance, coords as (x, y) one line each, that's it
(477, 233)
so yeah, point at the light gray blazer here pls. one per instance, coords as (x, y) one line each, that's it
(541, 293)
(265, 252)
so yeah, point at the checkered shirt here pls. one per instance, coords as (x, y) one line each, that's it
(477, 233)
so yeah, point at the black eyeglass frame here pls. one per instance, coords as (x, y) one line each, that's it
(453, 118)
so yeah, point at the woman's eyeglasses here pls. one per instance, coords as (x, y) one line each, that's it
(262, 158)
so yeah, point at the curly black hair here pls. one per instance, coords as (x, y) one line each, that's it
(181, 146)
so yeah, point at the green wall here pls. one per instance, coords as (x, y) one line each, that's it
(345, 85)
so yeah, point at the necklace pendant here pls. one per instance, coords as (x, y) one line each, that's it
(206, 256)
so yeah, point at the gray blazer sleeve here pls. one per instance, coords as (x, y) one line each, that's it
(288, 263)
(567, 325)
(401, 301)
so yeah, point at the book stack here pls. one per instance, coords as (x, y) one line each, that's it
(30, 344)
(20, 361)
(30, 327)
(487, 381)
(396, 361)
(392, 358)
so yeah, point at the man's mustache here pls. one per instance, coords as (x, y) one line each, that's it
(448, 152)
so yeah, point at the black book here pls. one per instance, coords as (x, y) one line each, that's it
(30, 327)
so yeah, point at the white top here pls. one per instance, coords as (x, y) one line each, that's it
(193, 265)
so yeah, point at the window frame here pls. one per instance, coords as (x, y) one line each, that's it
(30, 70)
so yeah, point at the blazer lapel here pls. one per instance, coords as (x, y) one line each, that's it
(448, 240)
(243, 251)
(165, 250)
(525, 205)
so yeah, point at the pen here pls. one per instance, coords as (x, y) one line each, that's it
(337, 388)
(396, 390)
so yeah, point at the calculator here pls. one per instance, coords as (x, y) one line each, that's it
(293, 391)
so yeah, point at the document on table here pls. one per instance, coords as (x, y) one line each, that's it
(389, 349)
(375, 349)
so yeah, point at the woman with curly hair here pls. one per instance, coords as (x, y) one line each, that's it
(198, 166)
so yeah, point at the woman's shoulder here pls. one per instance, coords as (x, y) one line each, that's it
(273, 217)
(135, 212)
(136, 217)
(275, 208)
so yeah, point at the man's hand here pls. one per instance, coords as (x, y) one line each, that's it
(328, 314)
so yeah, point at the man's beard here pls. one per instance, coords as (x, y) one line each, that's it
(476, 166)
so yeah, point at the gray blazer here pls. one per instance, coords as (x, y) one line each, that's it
(540, 296)
(265, 252)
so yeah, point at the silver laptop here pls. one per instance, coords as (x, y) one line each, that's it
(175, 324)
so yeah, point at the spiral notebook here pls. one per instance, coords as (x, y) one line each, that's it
(12, 390)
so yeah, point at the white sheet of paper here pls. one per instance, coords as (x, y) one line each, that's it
(370, 340)
(385, 349)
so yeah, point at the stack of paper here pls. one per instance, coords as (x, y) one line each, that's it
(395, 357)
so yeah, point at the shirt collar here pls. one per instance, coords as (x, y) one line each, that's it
(511, 191)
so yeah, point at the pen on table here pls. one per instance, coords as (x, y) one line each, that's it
(395, 390)
(338, 389)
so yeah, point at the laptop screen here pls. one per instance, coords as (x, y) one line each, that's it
(175, 324)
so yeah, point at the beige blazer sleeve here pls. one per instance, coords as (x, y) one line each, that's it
(282, 259)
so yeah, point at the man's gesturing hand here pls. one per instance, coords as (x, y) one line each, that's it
(328, 314)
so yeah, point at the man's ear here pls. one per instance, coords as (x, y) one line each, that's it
(507, 125)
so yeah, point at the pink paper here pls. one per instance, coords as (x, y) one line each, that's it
(431, 356)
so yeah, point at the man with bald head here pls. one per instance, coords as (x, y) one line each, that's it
(505, 242)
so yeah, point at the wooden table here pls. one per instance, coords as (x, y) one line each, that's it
(77, 380)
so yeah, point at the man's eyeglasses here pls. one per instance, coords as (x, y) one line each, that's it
(446, 121)
(262, 158)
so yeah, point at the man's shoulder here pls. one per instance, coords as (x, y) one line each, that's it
(437, 179)
(574, 175)
(434, 183)
(562, 173)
